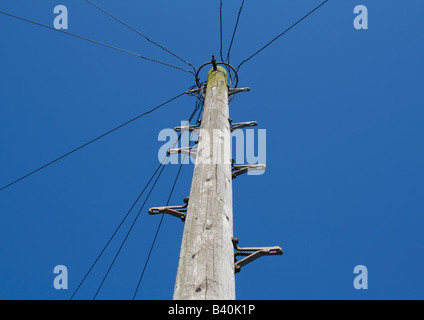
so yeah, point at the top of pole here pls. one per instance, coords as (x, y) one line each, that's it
(217, 78)
(216, 68)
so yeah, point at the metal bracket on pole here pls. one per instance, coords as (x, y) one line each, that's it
(193, 91)
(176, 211)
(201, 90)
(215, 67)
(234, 91)
(193, 128)
(189, 151)
(252, 254)
(240, 169)
(241, 125)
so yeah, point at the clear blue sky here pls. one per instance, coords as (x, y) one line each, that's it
(344, 116)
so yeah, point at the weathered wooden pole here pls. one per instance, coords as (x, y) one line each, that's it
(206, 265)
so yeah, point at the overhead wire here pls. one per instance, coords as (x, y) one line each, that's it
(162, 166)
(221, 29)
(129, 231)
(143, 35)
(92, 141)
(221, 38)
(199, 104)
(157, 233)
(95, 41)
(115, 232)
(235, 31)
(281, 34)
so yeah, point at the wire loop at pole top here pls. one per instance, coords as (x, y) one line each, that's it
(218, 63)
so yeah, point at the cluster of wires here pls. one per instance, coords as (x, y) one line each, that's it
(198, 93)
(227, 59)
(152, 182)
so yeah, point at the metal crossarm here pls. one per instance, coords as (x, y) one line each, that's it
(193, 91)
(176, 211)
(240, 169)
(201, 90)
(193, 128)
(189, 151)
(232, 92)
(241, 125)
(252, 254)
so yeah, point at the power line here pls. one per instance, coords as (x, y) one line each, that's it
(235, 31)
(157, 233)
(92, 141)
(94, 41)
(221, 37)
(131, 228)
(137, 217)
(163, 163)
(281, 34)
(115, 232)
(220, 28)
(199, 104)
(143, 35)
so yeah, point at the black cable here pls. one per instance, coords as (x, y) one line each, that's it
(116, 231)
(129, 231)
(94, 41)
(235, 31)
(91, 141)
(221, 38)
(126, 216)
(163, 165)
(143, 35)
(281, 34)
(199, 104)
(157, 232)
(220, 26)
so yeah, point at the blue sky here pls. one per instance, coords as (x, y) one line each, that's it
(343, 110)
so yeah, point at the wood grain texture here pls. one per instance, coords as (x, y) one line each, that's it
(206, 266)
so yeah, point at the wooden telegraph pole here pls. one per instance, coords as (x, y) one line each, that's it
(208, 260)
(206, 266)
